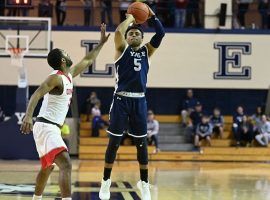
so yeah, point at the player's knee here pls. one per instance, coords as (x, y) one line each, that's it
(66, 166)
(142, 154)
(114, 143)
(112, 148)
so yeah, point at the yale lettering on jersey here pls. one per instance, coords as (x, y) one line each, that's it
(230, 57)
(137, 54)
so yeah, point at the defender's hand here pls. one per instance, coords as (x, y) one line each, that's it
(103, 37)
(27, 125)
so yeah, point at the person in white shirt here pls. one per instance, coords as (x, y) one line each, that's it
(152, 129)
(57, 93)
(97, 121)
(264, 136)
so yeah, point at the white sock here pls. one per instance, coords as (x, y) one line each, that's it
(37, 197)
(67, 198)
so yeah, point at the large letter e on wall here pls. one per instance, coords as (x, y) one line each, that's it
(230, 55)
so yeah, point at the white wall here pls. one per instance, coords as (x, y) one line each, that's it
(183, 60)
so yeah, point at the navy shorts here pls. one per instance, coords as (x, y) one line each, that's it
(128, 113)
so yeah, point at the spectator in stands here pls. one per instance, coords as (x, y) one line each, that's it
(242, 10)
(246, 131)
(12, 11)
(264, 136)
(257, 119)
(65, 133)
(189, 104)
(217, 122)
(2, 115)
(196, 116)
(237, 120)
(2, 7)
(90, 102)
(45, 8)
(123, 6)
(264, 11)
(203, 131)
(180, 13)
(97, 121)
(106, 10)
(60, 10)
(152, 129)
(193, 10)
(87, 6)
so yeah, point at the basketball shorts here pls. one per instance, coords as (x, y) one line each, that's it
(128, 114)
(49, 142)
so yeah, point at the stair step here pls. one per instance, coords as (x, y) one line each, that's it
(171, 139)
(176, 147)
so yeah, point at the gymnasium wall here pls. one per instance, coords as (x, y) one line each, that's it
(183, 60)
(226, 68)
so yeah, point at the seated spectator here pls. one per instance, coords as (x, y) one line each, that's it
(264, 136)
(65, 133)
(189, 104)
(256, 119)
(237, 120)
(246, 131)
(203, 131)
(217, 122)
(196, 116)
(97, 121)
(152, 129)
(2, 115)
(90, 102)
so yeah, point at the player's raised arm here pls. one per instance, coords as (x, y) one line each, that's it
(119, 37)
(160, 33)
(50, 83)
(91, 56)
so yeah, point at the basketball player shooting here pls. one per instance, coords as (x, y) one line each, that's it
(129, 108)
(57, 92)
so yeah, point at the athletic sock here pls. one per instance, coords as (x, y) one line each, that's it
(67, 198)
(35, 197)
(144, 175)
(107, 173)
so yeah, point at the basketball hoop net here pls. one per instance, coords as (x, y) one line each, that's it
(16, 55)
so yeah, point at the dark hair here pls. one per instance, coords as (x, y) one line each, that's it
(134, 27)
(54, 58)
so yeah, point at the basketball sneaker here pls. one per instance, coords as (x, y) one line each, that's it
(104, 192)
(144, 189)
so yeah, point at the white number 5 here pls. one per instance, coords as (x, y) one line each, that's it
(137, 64)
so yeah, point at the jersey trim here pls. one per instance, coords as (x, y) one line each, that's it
(61, 73)
(121, 54)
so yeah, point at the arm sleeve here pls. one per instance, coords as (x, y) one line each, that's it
(160, 33)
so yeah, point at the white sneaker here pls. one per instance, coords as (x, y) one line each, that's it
(104, 192)
(144, 189)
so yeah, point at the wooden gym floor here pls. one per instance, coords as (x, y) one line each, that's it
(170, 180)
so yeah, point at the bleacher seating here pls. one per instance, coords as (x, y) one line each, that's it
(93, 148)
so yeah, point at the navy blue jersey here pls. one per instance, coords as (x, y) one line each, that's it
(131, 70)
(204, 128)
(216, 120)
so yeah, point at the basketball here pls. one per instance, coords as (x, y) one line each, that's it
(140, 11)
